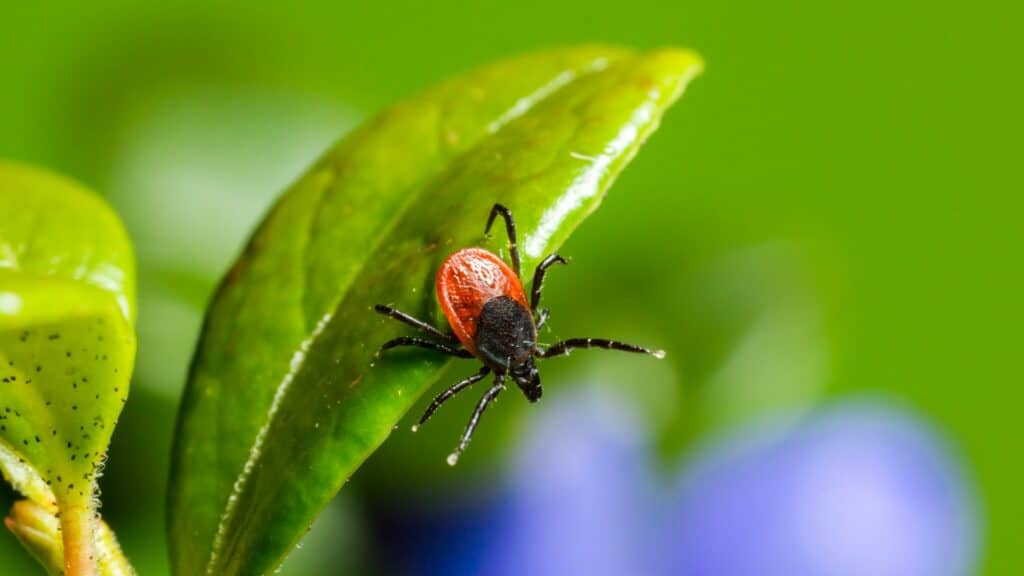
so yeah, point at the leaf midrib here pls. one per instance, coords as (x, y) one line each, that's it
(535, 98)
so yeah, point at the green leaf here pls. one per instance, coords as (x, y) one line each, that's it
(284, 403)
(66, 342)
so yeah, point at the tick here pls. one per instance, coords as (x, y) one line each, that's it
(492, 321)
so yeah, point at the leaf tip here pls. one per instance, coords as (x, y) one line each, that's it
(683, 59)
(676, 66)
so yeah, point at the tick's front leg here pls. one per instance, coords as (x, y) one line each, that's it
(450, 392)
(489, 396)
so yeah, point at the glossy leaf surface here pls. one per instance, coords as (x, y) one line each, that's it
(67, 344)
(284, 400)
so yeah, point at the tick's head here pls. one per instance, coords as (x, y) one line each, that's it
(527, 377)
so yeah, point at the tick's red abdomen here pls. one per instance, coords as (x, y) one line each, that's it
(466, 281)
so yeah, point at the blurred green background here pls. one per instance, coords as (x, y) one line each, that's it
(829, 210)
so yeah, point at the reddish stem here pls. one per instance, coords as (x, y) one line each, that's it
(77, 526)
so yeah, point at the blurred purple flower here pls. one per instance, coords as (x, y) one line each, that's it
(860, 489)
(579, 496)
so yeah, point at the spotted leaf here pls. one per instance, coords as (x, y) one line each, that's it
(66, 345)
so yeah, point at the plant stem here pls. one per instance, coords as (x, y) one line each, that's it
(77, 525)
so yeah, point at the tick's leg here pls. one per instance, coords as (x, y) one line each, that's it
(449, 393)
(538, 278)
(542, 318)
(566, 346)
(415, 323)
(510, 227)
(428, 344)
(489, 396)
